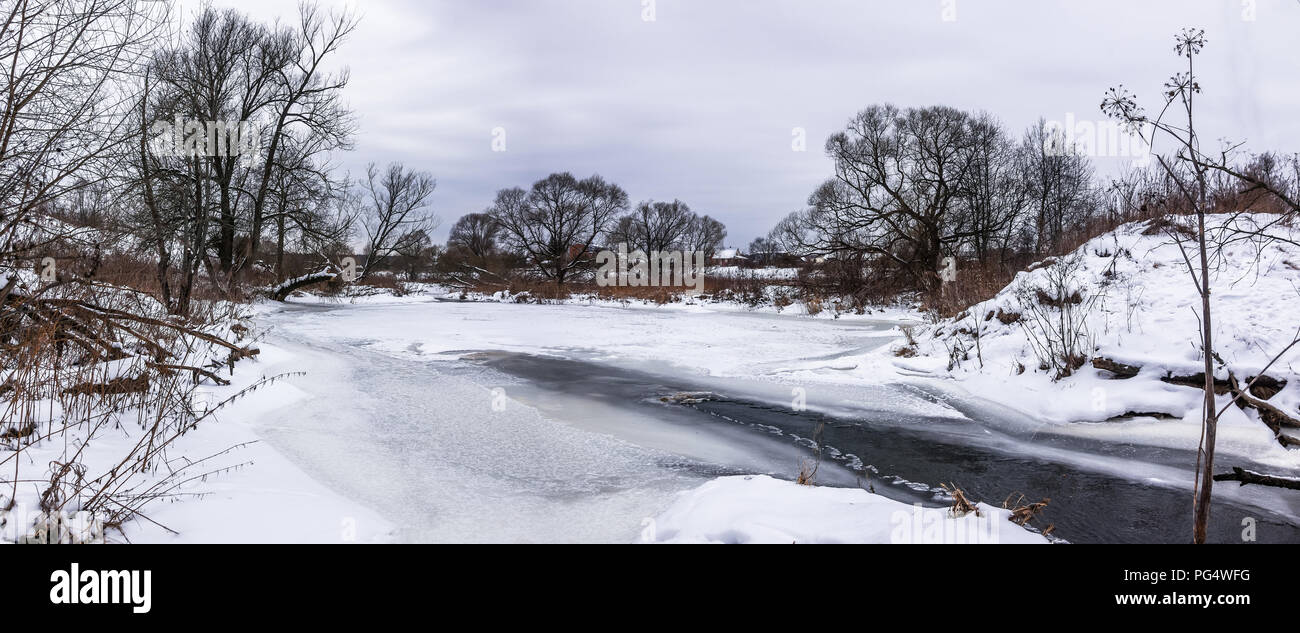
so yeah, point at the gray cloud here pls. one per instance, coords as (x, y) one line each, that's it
(700, 104)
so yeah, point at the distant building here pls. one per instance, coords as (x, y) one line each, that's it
(581, 251)
(729, 257)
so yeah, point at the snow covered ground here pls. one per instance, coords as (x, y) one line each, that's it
(230, 486)
(1142, 314)
(266, 498)
(762, 510)
(736, 272)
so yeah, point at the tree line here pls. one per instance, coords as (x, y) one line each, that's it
(554, 229)
(913, 186)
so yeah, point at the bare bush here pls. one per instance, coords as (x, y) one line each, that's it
(1054, 315)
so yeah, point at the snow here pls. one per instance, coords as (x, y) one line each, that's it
(385, 440)
(267, 498)
(763, 510)
(1144, 316)
(846, 363)
(444, 460)
(770, 273)
(231, 487)
(699, 339)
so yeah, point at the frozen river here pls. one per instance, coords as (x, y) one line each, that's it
(507, 423)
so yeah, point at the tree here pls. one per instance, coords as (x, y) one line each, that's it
(228, 70)
(302, 200)
(64, 66)
(476, 234)
(415, 253)
(1057, 180)
(221, 72)
(704, 235)
(556, 225)
(654, 227)
(992, 199)
(397, 200)
(898, 180)
(762, 251)
(305, 99)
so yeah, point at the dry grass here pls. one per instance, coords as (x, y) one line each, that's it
(82, 360)
(1022, 513)
(808, 472)
(961, 506)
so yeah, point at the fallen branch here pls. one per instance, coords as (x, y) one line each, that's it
(1248, 477)
(197, 371)
(1274, 418)
(1120, 370)
(282, 291)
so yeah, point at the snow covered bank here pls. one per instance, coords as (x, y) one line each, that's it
(218, 482)
(762, 510)
(1127, 297)
(257, 494)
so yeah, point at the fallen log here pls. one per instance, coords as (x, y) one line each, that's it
(1120, 370)
(1272, 417)
(1265, 387)
(282, 291)
(1124, 371)
(1197, 381)
(1248, 477)
(117, 386)
(1159, 415)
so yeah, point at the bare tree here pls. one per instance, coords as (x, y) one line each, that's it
(654, 227)
(992, 198)
(305, 99)
(222, 71)
(704, 235)
(556, 225)
(897, 183)
(415, 254)
(763, 250)
(1057, 179)
(476, 234)
(302, 199)
(397, 200)
(67, 104)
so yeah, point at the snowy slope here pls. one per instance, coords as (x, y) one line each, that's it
(1132, 293)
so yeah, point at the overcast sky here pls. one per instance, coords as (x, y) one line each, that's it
(702, 102)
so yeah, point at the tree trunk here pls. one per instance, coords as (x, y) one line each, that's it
(279, 248)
